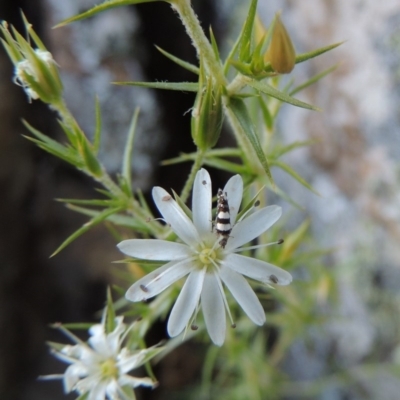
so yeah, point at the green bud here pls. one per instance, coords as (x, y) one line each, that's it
(281, 53)
(207, 114)
(35, 69)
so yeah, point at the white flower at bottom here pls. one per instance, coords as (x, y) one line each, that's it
(208, 265)
(99, 368)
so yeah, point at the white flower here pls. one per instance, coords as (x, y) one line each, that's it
(99, 368)
(207, 264)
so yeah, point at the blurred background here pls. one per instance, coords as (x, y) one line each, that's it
(354, 165)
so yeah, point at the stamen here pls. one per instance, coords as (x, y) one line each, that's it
(146, 289)
(221, 289)
(258, 246)
(193, 323)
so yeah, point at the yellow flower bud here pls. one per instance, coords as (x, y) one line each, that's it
(281, 53)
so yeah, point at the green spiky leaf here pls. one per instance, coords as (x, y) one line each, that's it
(97, 132)
(294, 174)
(245, 36)
(243, 119)
(269, 90)
(182, 63)
(313, 80)
(181, 86)
(108, 4)
(102, 216)
(127, 159)
(306, 56)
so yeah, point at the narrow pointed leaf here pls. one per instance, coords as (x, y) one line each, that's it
(11, 51)
(249, 205)
(51, 150)
(294, 174)
(127, 160)
(181, 86)
(279, 151)
(182, 63)
(143, 202)
(110, 314)
(306, 56)
(247, 32)
(264, 87)
(106, 5)
(214, 44)
(225, 165)
(97, 132)
(267, 117)
(52, 146)
(241, 67)
(83, 202)
(240, 113)
(184, 207)
(314, 79)
(94, 221)
(117, 219)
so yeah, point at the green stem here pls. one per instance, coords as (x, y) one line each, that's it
(238, 83)
(195, 167)
(199, 39)
(131, 204)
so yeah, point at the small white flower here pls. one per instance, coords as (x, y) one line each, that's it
(207, 264)
(99, 368)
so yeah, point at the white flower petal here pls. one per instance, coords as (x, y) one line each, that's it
(158, 280)
(128, 361)
(201, 202)
(98, 392)
(186, 303)
(253, 226)
(234, 190)
(257, 269)
(112, 390)
(213, 309)
(153, 249)
(133, 381)
(174, 215)
(244, 294)
(107, 345)
(72, 375)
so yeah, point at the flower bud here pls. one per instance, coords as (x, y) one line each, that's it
(207, 115)
(281, 53)
(35, 69)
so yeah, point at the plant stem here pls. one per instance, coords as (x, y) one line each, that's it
(238, 83)
(195, 167)
(199, 39)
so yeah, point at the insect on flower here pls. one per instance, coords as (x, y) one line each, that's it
(223, 225)
(209, 261)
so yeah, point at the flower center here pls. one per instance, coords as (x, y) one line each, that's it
(109, 369)
(207, 256)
